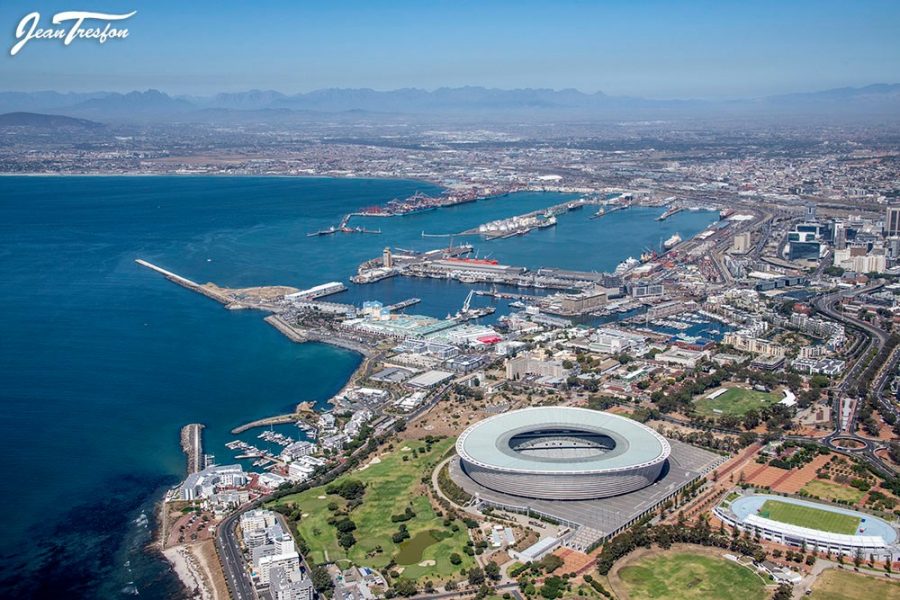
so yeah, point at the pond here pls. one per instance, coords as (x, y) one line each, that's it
(410, 552)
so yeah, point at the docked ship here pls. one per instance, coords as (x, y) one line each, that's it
(626, 265)
(672, 242)
(647, 256)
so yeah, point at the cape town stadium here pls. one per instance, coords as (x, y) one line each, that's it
(562, 453)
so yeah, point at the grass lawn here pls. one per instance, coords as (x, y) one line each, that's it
(686, 576)
(806, 516)
(736, 401)
(836, 584)
(828, 490)
(391, 486)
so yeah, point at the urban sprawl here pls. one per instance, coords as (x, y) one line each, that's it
(732, 394)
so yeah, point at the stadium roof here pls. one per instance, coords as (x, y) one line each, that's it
(487, 443)
(866, 541)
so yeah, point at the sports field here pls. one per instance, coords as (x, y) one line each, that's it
(807, 516)
(828, 490)
(392, 484)
(736, 401)
(836, 584)
(682, 575)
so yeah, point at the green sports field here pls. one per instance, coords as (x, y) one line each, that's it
(835, 584)
(391, 485)
(676, 575)
(806, 516)
(828, 490)
(736, 401)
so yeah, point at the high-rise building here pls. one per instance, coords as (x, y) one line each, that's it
(387, 261)
(892, 221)
(741, 244)
(840, 235)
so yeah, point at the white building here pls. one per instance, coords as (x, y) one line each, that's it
(287, 584)
(612, 341)
(207, 482)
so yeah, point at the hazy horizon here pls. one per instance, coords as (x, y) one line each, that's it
(654, 50)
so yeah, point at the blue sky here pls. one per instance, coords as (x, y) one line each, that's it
(645, 48)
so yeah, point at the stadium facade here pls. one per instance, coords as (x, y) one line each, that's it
(874, 536)
(562, 453)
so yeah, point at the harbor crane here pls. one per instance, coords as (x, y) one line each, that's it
(465, 307)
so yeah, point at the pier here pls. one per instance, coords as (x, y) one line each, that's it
(277, 420)
(192, 445)
(671, 211)
(186, 283)
(402, 304)
(603, 211)
(522, 224)
(342, 229)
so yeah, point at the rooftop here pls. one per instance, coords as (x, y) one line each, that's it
(561, 440)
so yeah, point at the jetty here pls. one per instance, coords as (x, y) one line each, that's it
(192, 445)
(402, 304)
(289, 332)
(303, 411)
(605, 210)
(187, 283)
(671, 211)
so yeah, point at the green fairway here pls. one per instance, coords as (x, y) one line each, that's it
(807, 516)
(835, 584)
(736, 401)
(392, 485)
(688, 576)
(828, 490)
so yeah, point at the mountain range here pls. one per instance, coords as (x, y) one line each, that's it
(878, 100)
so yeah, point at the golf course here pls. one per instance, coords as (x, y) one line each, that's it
(390, 517)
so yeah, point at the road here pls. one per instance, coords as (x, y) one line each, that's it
(236, 576)
(877, 338)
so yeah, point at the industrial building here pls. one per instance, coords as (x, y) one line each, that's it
(326, 289)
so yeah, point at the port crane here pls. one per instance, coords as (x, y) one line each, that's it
(467, 303)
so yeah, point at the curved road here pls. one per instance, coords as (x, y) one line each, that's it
(877, 339)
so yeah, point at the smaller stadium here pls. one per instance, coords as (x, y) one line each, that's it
(801, 523)
(560, 453)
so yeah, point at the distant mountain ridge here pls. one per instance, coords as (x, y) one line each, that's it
(151, 104)
(42, 121)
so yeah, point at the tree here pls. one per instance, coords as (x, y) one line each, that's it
(321, 580)
(345, 525)
(455, 559)
(476, 576)
(551, 562)
(405, 587)
(784, 592)
(492, 570)
(346, 540)
(349, 489)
